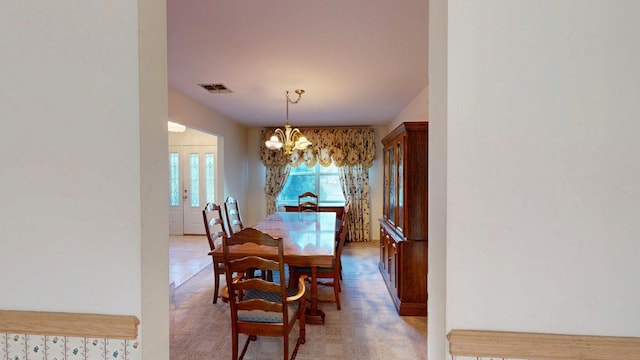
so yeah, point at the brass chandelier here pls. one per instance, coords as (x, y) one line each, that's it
(291, 138)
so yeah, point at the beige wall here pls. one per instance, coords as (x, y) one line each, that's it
(232, 142)
(84, 213)
(542, 167)
(258, 208)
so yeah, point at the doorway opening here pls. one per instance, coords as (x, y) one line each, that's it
(193, 179)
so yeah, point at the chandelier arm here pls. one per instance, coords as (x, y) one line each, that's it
(280, 134)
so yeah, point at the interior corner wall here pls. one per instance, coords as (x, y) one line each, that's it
(232, 142)
(153, 184)
(543, 171)
(257, 172)
(437, 203)
(416, 110)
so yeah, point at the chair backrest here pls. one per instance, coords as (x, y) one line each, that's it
(241, 289)
(308, 202)
(213, 224)
(344, 228)
(346, 208)
(232, 211)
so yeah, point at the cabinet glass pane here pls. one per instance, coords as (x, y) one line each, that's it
(400, 184)
(392, 185)
(385, 209)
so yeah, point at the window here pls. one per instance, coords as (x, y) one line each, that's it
(323, 181)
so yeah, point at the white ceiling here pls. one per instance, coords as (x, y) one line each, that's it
(359, 61)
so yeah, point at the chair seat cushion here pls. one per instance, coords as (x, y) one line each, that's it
(268, 316)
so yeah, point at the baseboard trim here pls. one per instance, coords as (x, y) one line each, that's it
(542, 346)
(69, 324)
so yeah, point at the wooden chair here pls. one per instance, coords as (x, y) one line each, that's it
(332, 272)
(214, 226)
(259, 306)
(234, 220)
(345, 212)
(308, 202)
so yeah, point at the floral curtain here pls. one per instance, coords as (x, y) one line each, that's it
(354, 181)
(352, 150)
(276, 177)
(342, 146)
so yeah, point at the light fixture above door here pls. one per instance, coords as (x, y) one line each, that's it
(288, 139)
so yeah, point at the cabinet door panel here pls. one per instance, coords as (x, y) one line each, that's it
(393, 263)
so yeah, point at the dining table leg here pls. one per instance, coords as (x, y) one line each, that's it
(314, 315)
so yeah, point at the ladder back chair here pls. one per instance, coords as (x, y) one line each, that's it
(214, 227)
(308, 202)
(333, 272)
(260, 306)
(232, 211)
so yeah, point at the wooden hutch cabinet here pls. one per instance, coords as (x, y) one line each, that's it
(403, 226)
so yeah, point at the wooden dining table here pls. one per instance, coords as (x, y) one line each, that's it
(308, 240)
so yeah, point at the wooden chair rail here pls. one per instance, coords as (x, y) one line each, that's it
(69, 324)
(541, 346)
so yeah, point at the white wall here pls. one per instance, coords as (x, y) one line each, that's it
(543, 169)
(83, 120)
(232, 142)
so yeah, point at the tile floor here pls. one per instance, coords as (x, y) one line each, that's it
(367, 327)
(187, 256)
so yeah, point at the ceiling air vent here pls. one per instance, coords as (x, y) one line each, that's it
(216, 88)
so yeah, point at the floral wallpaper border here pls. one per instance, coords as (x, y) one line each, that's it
(45, 347)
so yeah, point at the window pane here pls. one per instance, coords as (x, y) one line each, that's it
(296, 185)
(303, 169)
(174, 180)
(330, 190)
(323, 181)
(195, 179)
(208, 173)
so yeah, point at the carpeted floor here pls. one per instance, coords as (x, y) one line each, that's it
(367, 327)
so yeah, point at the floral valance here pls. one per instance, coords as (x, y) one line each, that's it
(342, 146)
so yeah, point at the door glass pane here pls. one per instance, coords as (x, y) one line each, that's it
(208, 173)
(194, 163)
(174, 179)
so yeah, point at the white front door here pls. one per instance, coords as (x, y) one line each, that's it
(192, 183)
